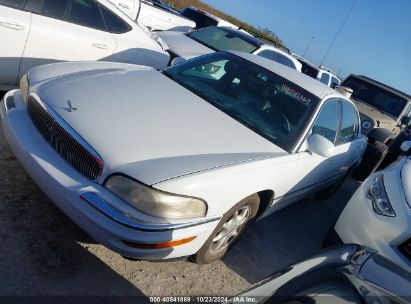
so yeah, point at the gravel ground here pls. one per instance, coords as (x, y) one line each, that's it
(43, 253)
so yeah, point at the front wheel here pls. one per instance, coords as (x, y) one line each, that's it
(232, 224)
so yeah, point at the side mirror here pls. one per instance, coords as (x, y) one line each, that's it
(320, 145)
(177, 60)
(333, 85)
(405, 146)
(406, 121)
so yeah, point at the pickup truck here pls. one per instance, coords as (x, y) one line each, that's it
(153, 17)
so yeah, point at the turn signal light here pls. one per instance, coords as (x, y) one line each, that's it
(159, 245)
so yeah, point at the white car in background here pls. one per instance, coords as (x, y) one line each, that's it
(164, 164)
(39, 32)
(183, 46)
(328, 77)
(321, 73)
(153, 17)
(378, 215)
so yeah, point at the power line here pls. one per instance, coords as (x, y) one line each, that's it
(308, 45)
(338, 32)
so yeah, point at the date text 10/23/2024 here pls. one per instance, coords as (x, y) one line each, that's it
(202, 299)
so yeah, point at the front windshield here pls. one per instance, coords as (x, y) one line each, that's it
(268, 104)
(219, 39)
(375, 96)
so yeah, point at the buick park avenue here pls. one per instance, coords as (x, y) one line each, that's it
(176, 163)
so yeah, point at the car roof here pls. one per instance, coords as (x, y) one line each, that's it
(304, 81)
(382, 85)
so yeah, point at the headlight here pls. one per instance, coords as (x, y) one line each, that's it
(24, 87)
(366, 124)
(380, 202)
(155, 202)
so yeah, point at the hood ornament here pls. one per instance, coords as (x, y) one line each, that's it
(70, 106)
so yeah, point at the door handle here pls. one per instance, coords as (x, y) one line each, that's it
(13, 26)
(123, 5)
(100, 46)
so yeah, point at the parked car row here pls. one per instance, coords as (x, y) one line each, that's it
(169, 144)
(183, 46)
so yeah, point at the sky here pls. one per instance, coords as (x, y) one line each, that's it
(375, 40)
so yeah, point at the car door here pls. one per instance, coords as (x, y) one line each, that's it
(314, 170)
(14, 29)
(66, 30)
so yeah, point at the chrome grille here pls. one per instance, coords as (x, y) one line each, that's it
(405, 249)
(79, 157)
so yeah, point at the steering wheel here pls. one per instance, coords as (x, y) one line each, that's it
(280, 120)
(286, 123)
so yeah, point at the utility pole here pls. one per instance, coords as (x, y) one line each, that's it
(338, 32)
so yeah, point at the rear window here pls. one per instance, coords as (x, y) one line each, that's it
(308, 69)
(280, 58)
(199, 18)
(18, 4)
(114, 23)
(219, 39)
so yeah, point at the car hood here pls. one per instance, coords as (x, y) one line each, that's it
(406, 181)
(182, 45)
(381, 119)
(145, 125)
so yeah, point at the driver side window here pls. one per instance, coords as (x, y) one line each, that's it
(328, 120)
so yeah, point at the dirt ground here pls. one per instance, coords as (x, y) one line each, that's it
(43, 253)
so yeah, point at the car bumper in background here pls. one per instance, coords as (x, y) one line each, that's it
(359, 224)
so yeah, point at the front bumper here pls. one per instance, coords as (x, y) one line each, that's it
(359, 224)
(95, 209)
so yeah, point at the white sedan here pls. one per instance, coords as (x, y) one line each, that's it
(378, 215)
(183, 46)
(164, 164)
(38, 32)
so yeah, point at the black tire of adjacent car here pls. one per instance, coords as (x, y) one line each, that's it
(332, 238)
(373, 156)
(205, 254)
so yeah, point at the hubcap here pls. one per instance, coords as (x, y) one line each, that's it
(231, 229)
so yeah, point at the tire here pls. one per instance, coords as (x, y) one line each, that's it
(212, 250)
(373, 156)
